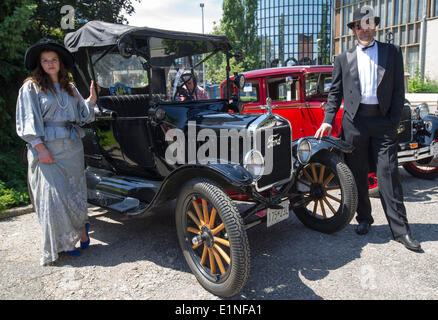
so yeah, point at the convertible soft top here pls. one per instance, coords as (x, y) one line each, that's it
(101, 34)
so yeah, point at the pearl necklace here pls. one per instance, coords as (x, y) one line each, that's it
(57, 100)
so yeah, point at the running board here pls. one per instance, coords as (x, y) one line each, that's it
(127, 195)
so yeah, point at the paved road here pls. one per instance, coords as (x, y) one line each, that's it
(141, 259)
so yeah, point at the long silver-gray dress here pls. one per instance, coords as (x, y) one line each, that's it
(59, 189)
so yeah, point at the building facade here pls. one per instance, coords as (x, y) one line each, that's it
(294, 32)
(412, 24)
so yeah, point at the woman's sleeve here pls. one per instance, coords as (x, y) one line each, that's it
(29, 120)
(85, 108)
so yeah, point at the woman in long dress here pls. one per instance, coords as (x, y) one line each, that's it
(50, 111)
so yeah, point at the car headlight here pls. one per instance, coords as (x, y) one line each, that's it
(254, 163)
(423, 110)
(304, 151)
(428, 126)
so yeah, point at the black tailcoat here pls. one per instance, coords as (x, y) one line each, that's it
(373, 137)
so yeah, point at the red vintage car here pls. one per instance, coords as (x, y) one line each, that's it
(299, 93)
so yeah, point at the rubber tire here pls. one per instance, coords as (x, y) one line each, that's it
(420, 175)
(348, 192)
(239, 244)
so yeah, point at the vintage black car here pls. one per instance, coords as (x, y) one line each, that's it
(418, 144)
(154, 141)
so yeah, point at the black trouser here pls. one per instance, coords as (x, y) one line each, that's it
(375, 137)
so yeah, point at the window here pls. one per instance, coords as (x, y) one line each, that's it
(251, 92)
(412, 11)
(113, 69)
(403, 4)
(284, 88)
(318, 85)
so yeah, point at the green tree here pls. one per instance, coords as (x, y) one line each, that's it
(14, 24)
(22, 23)
(324, 43)
(239, 24)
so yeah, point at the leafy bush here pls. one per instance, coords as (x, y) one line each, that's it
(418, 85)
(10, 197)
(13, 175)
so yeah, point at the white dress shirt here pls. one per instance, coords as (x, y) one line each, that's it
(367, 62)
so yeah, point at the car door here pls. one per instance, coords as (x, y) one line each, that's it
(317, 87)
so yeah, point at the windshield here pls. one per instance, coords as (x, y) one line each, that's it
(118, 73)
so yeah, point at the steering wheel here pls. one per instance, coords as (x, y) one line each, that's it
(183, 89)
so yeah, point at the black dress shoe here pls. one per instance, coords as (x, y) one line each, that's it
(363, 228)
(409, 242)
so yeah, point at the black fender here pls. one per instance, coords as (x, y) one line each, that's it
(434, 130)
(230, 176)
(325, 143)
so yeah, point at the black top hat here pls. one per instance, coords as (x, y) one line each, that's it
(33, 53)
(362, 12)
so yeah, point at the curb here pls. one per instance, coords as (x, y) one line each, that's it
(16, 212)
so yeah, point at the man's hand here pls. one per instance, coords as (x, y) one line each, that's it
(44, 154)
(325, 127)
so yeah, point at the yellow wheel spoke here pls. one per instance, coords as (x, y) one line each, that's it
(219, 261)
(321, 173)
(315, 177)
(333, 198)
(333, 188)
(307, 175)
(329, 205)
(212, 263)
(218, 229)
(323, 209)
(223, 254)
(195, 220)
(212, 218)
(222, 241)
(198, 211)
(204, 255)
(193, 230)
(196, 246)
(314, 208)
(329, 178)
(302, 182)
(205, 210)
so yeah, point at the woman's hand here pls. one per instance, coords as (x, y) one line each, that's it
(93, 95)
(44, 154)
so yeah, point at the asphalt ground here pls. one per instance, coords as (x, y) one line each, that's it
(141, 259)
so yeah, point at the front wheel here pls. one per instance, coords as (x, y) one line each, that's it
(328, 193)
(212, 237)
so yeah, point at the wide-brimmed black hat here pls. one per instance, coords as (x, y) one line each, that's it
(360, 13)
(33, 53)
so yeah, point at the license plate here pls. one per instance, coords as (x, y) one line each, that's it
(277, 215)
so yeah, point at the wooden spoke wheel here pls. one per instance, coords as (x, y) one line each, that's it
(213, 238)
(329, 194)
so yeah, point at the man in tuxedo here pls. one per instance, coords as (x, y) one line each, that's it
(369, 77)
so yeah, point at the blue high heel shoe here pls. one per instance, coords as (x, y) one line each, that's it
(85, 244)
(75, 252)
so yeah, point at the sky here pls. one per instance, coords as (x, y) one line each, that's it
(180, 15)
